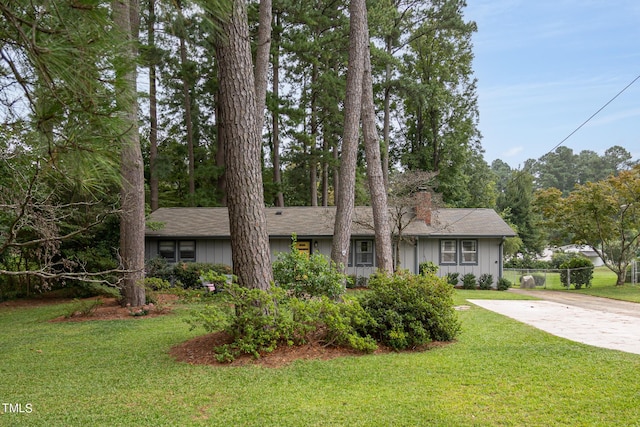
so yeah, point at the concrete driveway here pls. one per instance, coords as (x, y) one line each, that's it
(601, 322)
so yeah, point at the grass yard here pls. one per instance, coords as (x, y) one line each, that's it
(119, 373)
(602, 285)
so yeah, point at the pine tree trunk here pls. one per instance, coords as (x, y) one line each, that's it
(384, 257)
(186, 94)
(238, 128)
(353, 98)
(125, 14)
(386, 137)
(277, 177)
(263, 47)
(153, 115)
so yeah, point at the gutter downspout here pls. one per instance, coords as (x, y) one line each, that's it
(501, 257)
(416, 252)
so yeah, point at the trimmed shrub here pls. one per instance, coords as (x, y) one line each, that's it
(308, 275)
(503, 284)
(485, 281)
(578, 271)
(453, 278)
(410, 310)
(469, 281)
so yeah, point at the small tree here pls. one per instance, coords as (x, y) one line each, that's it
(603, 214)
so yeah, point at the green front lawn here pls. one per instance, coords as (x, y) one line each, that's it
(499, 372)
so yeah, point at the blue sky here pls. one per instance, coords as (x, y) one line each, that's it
(544, 67)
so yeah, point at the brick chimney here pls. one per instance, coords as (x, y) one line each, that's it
(423, 206)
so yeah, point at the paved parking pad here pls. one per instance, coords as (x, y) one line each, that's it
(594, 327)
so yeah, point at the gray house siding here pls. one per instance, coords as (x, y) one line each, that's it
(489, 255)
(472, 237)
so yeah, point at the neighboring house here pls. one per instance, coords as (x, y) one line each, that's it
(584, 250)
(457, 240)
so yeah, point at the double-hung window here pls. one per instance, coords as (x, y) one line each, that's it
(181, 250)
(448, 251)
(468, 252)
(167, 250)
(187, 250)
(364, 253)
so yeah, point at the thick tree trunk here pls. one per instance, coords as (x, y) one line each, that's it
(384, 257)
(221, 184)
(386, 137)
(153, 115)
(125, 14)
(353, 98)
(186, 94)
(325, 171)
(313, 147)
(262, 60)
(238, 128)
(277, 177)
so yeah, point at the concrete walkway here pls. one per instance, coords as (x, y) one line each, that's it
(601, 322)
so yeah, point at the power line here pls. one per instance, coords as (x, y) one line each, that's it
(595, 114)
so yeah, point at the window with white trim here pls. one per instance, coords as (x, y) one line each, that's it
(468, 252)
(364, 253)
(448, 251)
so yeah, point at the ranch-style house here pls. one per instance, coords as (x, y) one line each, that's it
(456, 240)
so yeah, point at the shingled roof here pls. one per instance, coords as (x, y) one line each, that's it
(318, 222)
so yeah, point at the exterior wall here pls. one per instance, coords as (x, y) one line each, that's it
(489, 258)
(211, 251)
(407, 257)
(218, 251)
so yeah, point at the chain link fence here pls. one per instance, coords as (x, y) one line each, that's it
(555, 278)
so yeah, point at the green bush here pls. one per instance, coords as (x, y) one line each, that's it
(485, 281)
(308, 275)
(453, 278)
(156, 284)
(183, 274)
(259, 321)
(578, 271)
(428, 267)
(503, 284)
(410, 310)
(469, 281)
(332, 323)
(188, 273)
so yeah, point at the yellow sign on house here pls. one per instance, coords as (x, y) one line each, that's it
(304, 247)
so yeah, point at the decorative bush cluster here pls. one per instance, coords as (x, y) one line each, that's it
(401, 311)
(185, 274)
(259, 321)
(308, 275)
(410, 310)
